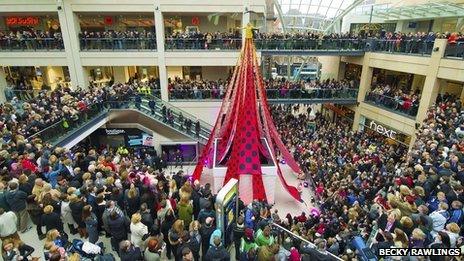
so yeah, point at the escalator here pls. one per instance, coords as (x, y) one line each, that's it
(67, 133)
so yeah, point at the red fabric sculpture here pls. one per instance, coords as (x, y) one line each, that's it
(243, 123)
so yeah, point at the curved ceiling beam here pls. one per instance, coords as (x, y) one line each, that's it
(342, 14)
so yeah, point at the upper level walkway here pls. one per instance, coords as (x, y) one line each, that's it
(288, 46)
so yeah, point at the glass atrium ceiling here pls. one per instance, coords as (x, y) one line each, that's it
(313, 15)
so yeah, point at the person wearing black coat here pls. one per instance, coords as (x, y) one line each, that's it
(191, 243)
(35, 212)
(238, 230)
(16, 199)
(51, 220)
(165, 227)
(206, 230)
(117, 226)
(129, 252)
(76, 205)
(217, 251)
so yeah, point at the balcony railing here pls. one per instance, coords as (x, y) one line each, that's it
(42, 44)
(117, 44)
(396, 105)
(309, 44)
(203, 44)
(272, 94)
(403, 46)
(455, 50)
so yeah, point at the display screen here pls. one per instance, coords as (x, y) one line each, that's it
(187, 152)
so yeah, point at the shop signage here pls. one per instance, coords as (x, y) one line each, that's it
(108, 20)
(196, 20)
(114, 131)
(22, 21)
(382, 130)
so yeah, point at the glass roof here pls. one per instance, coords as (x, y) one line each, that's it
(313, 15)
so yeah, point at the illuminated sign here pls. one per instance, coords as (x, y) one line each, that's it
(22, 21)
(382, 130)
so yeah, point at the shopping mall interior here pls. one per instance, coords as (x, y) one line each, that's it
(231, 130)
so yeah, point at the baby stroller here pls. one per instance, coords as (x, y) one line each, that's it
(77, 247)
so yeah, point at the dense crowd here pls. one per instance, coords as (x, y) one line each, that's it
(203, 89)
(366, 183)
(395, 98)
(113, 39)
(30, 40)
(203, 40)
(63, 105)
(362, 183)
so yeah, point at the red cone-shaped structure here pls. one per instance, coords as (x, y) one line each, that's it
(244, 121)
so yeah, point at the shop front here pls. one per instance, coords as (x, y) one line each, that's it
(129, 138)
(37, 77)
(392, 136)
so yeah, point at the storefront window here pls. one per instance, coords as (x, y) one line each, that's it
(393, 136)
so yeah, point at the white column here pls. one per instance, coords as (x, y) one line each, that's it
(364, 86)
(432, 83)
(69, 23)
(163, 74)
(3, 85)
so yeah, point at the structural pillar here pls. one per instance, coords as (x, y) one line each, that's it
(163, 72)
(69, 23)
(3, 85)
(364, 86)
(432, 83)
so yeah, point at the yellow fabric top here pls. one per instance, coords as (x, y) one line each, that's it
(249, 31)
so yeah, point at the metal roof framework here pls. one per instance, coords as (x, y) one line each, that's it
(424, 11)
(313, 15)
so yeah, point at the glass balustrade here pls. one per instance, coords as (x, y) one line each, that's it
(117, 44)
(455, 50)
(422, 47)
(272, 94)
(65, 126)
(161, 111)
(203, 44)
(39, 44)
(309, 44)
(395, 104)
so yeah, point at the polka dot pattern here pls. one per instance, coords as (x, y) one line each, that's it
(245, 150)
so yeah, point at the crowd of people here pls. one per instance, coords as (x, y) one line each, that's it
(362, 183)
(31, 40)
(397, 99)
(203, 40)
(275, 89)
(412, 42)
(114, 39)
(365, 183)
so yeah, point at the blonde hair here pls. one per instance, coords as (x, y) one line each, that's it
(172, 185)
(86, 176)
(194, 224)
(52, 235)
(132, 193)
(418, 234)
(73, 198)
(136, 218)
(178, 226)
(453, 227)
(48, 209)
(109, 180)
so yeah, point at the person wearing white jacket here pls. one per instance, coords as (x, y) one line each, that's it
(139, 231)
